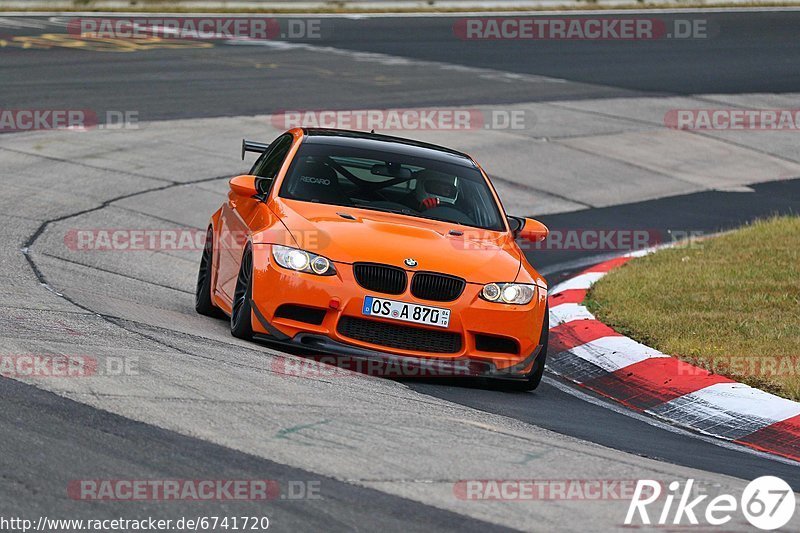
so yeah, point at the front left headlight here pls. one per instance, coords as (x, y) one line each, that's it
(302, 261)
(508, 293)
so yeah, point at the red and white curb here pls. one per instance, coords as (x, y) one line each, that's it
(592, 355)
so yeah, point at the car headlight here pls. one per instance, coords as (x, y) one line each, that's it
(508, 293)
(302, 261)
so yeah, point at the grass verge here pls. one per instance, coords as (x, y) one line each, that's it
(729, 304)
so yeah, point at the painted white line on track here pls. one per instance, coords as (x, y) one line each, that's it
(582, 281)
(575, 264)
(736, 398)
(561, 314)
(613, 353)
(20, 23)
(572, 391)
(392, 60)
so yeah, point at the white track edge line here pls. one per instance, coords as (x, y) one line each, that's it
(656, 422)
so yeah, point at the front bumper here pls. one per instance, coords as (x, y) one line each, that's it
(341, 296)
(386, 364)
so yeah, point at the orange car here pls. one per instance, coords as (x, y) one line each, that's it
(373, 247)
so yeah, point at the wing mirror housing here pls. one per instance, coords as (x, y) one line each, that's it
(527, 228)
(244, 185)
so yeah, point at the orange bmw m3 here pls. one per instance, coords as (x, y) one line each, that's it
(374, 247)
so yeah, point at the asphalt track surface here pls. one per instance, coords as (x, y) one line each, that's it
(45, 432)
(743, 53)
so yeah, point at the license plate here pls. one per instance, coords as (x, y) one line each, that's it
(407, 312)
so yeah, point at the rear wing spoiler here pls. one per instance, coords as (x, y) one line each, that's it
(252, 146)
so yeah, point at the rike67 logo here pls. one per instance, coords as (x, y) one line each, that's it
(767, 502)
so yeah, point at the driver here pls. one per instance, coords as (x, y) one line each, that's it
(435, 188)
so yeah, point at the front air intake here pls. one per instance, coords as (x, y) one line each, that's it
(399, 336)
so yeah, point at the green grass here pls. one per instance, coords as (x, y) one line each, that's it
(730, 304)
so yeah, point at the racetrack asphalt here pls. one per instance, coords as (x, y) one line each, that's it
(743, 53)
(141, 307)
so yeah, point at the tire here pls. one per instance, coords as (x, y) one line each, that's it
(241, 312)
(202, 295)
(537, 372)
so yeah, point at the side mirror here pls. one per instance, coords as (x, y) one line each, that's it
(244, 185)
(528, 229)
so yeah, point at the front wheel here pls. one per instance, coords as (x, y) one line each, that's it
(537, 372)
(202, 295)
(241, 314)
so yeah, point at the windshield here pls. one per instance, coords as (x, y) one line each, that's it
(386, 181)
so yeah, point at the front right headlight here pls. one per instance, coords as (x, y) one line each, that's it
(508, 293)
(302, 261)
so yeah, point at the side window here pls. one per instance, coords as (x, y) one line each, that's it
(270, 162)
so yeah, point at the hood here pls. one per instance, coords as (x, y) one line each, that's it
(479, 256)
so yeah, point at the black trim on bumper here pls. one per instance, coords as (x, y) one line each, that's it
(273, 331)
(448, 367)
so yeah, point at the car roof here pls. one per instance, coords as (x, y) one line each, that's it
(397, 145)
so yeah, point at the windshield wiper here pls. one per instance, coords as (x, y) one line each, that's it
(408, 212)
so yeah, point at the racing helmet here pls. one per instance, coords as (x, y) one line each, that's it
(434, 184)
